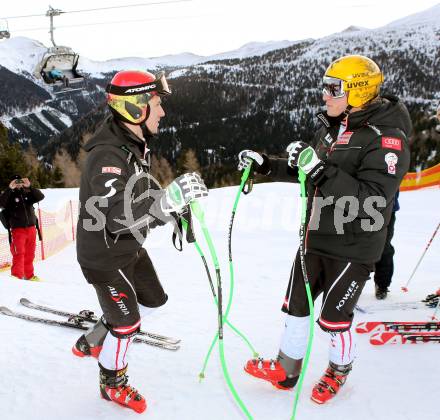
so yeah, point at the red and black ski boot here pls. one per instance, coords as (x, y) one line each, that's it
(90, 343)
(273, 372)
(330, 383)
(82, 348)
(114, 387)
(269, 370)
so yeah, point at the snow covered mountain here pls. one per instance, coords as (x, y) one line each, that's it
(260, 91)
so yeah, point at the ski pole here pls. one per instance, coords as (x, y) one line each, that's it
(198, 212)
(302, 179)
(405, 288)
(226, 321)
(243, 183)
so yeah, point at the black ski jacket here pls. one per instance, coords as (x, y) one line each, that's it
(119, 201)
(368, 160)
(18, 204)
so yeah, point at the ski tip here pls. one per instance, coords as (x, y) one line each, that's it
(360, 328)
(5, 310)
(24, 300)
(404, 289)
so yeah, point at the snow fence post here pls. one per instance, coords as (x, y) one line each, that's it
(40, 222)
(71, 219)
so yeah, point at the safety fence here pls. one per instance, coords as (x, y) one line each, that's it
(57, 230)
(427, 178)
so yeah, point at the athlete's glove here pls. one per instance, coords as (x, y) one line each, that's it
(260, 163)
(182, 191)
(303, 156)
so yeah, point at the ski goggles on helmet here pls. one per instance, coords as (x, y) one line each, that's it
(333, 87)
(159, 86)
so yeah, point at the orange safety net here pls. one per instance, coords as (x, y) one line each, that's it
(57, 230)
(427, 178)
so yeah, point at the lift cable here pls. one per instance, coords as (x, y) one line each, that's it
(101, 8)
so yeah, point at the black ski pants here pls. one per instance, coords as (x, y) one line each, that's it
(341, 283)
(120, 291)
(385, 266)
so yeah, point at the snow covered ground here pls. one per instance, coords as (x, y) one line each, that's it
(41, 379)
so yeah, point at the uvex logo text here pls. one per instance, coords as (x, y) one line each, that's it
(352, 85)
(117, 297)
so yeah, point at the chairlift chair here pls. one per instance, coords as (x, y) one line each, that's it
(62, 61)
(4, 30)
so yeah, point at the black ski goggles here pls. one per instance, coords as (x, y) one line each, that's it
(333, 87)
(159, 86)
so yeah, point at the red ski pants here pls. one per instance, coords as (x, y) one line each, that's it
(23, 251)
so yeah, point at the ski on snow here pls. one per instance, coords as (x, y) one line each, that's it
(429, 301)
(401, 306)
(396, 326)
(393, 337)
(89, 316)
(79, 324)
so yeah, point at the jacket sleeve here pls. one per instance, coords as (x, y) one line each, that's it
(35, 195)
(111, 190)
(380, 173)
(4, 197)
(280, 171)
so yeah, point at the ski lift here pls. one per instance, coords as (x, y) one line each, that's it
(58, 65)
(4, 29)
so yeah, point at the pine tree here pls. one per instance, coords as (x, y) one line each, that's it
(12, 161)
(161, 170)
(190, 162)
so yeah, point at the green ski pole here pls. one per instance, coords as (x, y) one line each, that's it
(302, 179)
(198, 212)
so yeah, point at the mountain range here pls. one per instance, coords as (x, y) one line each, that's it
(262, 95)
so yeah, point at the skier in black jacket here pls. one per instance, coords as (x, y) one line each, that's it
(18, 203)
(359, 158)
(120, 202)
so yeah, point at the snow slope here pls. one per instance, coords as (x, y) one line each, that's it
(41, 379)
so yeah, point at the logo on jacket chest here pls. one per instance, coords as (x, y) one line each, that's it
(391, 161)
(344, 138)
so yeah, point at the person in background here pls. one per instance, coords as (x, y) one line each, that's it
(385, 266)
(18, 203)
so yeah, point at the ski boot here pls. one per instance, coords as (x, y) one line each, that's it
(90, 343)
(432, 299)
(282, 373)
(330, 383)
(114, 387)
(381, 293)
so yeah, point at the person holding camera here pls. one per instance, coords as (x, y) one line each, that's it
(18, 213)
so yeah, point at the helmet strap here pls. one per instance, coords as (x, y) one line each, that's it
(344, 115)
